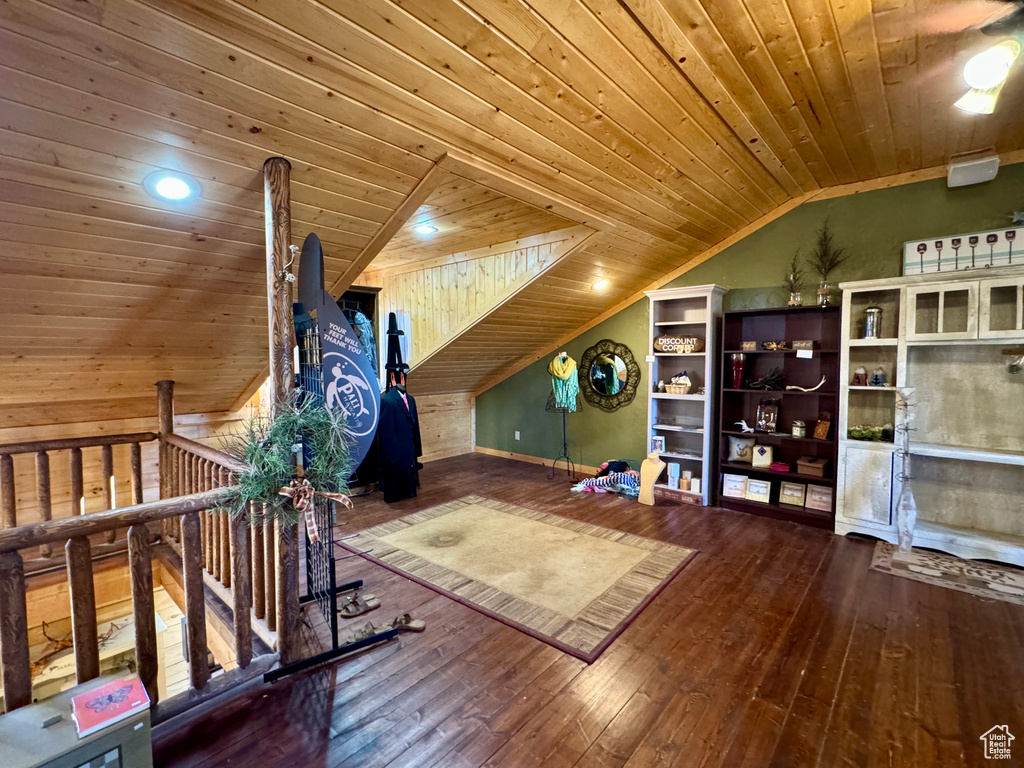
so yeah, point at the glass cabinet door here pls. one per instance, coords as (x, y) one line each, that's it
(942, 311)
(1002, 308)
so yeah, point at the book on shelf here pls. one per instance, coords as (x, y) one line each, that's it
(108, 704)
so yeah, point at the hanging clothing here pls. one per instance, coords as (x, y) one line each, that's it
(364, 332)
(564, 381)
(398, 444)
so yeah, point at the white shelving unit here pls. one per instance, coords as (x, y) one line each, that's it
(942, 335)
(685, 421)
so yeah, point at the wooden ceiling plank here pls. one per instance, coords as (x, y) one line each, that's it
(461, 29)
(539, 164)
(375, 26)
(760, 132)
(609, 35)
(298, 109)
(897, 52)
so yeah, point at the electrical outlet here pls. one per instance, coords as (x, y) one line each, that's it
(517, 434)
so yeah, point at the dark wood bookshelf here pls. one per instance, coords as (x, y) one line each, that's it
(789, 324)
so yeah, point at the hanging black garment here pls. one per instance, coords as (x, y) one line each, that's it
(398, 444)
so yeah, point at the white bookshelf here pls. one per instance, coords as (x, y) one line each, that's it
(685, 421)
(943, 335)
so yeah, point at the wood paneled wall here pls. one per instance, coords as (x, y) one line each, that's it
(207, 428)
(437, 302)
(447, 424)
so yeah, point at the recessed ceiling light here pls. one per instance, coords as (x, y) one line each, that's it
(171, 185)
(424, 229)
(600, 285)
(990, 68)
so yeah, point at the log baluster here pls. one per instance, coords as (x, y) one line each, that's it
(14, 633)
(241, 591)
(136, 473)
(43, 499)
(223, 477)
(8, 513)
(195, 601)
(109, 497)
(140, 567)
(77, 489)
(288, 591)
(259, 604)
(270, 563)
(83, 609)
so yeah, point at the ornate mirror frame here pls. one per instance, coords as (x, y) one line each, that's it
(625, 396)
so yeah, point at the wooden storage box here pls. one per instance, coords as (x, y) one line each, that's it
(676, 495)
(812, 465)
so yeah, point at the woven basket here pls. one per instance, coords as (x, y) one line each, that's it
(677, 389)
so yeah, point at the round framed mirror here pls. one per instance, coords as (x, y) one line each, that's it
(609, 376)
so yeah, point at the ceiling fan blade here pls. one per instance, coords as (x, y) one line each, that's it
(1008, 24)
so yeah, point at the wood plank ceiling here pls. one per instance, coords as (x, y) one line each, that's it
(665, 124)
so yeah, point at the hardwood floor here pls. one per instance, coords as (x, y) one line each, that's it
(776, 646)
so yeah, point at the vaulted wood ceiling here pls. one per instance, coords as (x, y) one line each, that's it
(666, 125)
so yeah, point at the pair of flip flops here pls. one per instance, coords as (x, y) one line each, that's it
(357, 605)
(404, 623)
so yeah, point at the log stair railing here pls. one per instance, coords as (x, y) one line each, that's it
(236, 558)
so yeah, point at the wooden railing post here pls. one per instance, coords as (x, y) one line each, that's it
(83, 609)
(259, 574)
(14, 633)
(165, 426)
(270, 563)
(141, 572)
(43, 494)
(277, 207)
(195, 600)
(241, 579)
(77, 489)
(137, 472)
(8, 515)
(109, 499)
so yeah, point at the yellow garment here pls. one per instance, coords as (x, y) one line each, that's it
(562, 368)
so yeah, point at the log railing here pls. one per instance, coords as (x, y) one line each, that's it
(75, 533)
(76, 502)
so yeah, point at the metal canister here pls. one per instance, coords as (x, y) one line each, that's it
(872, 322)
(799, 428)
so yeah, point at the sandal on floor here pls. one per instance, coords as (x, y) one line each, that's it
(357, 605)
(406, 623)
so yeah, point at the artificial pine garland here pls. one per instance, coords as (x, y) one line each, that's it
(265, 447)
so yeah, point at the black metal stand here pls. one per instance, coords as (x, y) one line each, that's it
(564, 455)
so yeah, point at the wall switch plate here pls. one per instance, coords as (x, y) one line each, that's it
(517, 434)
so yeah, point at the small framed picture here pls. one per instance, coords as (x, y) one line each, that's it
(819, 497)
(792, 494)
(658, 444)
(759, 490)
(734, 486)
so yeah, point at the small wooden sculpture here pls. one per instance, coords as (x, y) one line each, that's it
(650, 471)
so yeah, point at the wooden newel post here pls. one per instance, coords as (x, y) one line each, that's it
(165, 427)
(278, 220)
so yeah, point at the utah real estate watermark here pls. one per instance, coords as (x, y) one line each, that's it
(997, 742)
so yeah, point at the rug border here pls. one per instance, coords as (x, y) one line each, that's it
(590, 657)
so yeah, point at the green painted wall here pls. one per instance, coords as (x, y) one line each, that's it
(872, 226)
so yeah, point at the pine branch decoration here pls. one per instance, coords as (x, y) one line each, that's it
(265, 448)
(795, 275)
(826, 257)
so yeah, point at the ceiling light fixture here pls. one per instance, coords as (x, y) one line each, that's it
(986, 73)
(424, 229)
(171, 186)
(600, 285)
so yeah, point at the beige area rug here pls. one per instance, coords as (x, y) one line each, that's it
(997, 582)
(571, 584)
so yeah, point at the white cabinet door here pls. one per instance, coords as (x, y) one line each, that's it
(1002, 308)
(942, 311)
(867, 484)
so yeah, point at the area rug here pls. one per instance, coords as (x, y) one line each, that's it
(571, 584)
(982, 579)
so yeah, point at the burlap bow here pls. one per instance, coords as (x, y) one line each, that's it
(303, 496)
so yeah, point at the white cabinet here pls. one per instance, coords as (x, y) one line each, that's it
(868, 484)
(1002, 308)
(942, 311)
